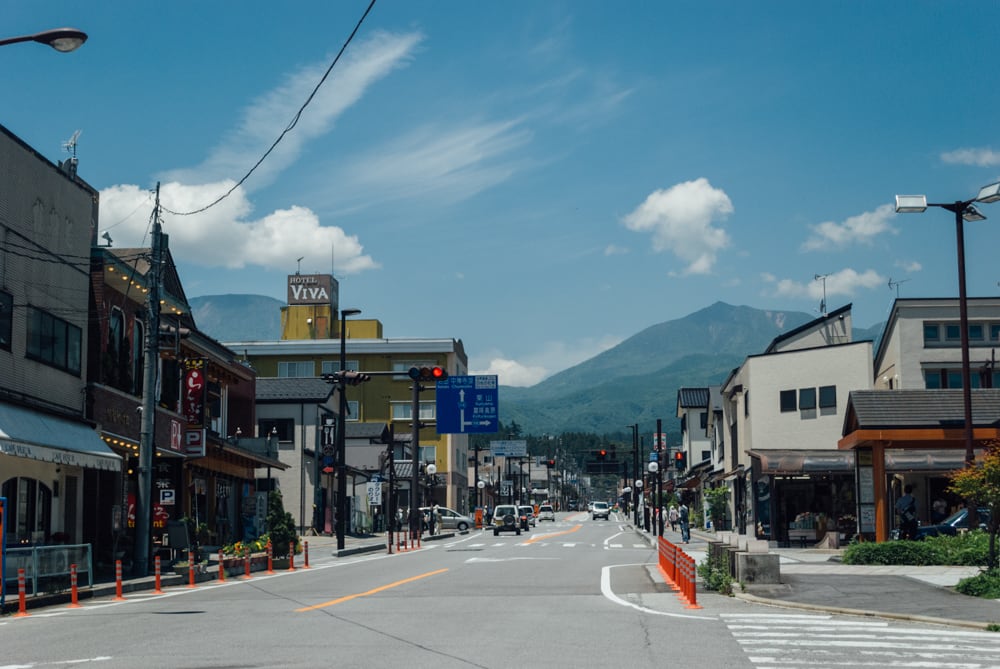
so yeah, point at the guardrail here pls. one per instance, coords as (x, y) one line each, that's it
(678, 568)
(46, 562)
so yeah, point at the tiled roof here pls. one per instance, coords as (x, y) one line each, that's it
(304, 389)
(691, 398)
(897, 409)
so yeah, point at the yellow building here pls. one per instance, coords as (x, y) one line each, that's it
(310, 346)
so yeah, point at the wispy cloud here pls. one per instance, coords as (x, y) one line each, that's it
(553, 357)
(860, 229)
(982, 157)
(681, 220)
(615, 250)
(226, 235)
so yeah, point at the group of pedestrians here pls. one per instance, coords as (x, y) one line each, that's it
(680, 516)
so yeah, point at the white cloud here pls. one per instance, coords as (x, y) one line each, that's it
(225, 236)
(978, 157)
(846, 282)
(909, 265)
(554, 357)
(364, 64)
(680, 220)
(856, 229)
(615, 250)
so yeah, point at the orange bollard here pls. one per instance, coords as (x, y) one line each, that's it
(118, 581)
(74, 602)
(190, 569)
(305, 550)
(291, 556)
(222, 568)
(270, 558)
(22, 603)
(156, 570)
(246, 567)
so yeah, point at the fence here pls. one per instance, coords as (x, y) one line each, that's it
(48, 565)
(678, 568)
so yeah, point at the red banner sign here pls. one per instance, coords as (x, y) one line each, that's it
(194, 392)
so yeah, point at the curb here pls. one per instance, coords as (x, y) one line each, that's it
(783, 603)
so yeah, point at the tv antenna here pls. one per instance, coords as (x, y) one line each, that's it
(895, 284)
(822, 305)
(298, 270)
(70, 144)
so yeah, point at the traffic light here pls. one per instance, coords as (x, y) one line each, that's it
(601, 454)
(428, 373)
(680, 460)
(550, 462)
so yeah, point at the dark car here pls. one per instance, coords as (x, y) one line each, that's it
(953, 523)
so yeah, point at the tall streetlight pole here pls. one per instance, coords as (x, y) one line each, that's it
(964, 210)
(62, 40)
(635, 468)
(341, 519)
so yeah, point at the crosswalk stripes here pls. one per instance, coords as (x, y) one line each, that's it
(790, 640)
(573, 544)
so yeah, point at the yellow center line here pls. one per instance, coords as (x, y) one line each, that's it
(347, 598)
(552, 534)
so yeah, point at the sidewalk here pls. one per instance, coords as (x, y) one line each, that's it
(815, 579)
(320, 547)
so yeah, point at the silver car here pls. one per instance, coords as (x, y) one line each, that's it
(451, 519)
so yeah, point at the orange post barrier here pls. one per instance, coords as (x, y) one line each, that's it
(118, 581)
(222, 568)
(246, 567)
(270, 558)
(291, 556)
(22, 603)
(678, 568)
(156, 568)
(305, 551)
(190, 569)
(74, 602)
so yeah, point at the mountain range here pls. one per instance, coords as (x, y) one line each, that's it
(635, 382)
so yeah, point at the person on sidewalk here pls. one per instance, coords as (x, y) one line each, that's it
(906, 507)
(683, 517)
(673, 516)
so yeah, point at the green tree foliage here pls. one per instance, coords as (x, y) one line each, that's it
(980, 484)
(280, 525)
(717, 500)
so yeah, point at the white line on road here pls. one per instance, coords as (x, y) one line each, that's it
(608, 594)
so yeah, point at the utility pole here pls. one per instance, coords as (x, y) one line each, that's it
(635, 467)
(151, 358)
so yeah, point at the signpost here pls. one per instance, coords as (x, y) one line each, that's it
(467, 405)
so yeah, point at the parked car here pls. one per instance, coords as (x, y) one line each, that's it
(506, 518)
(953, 523)
(527, 516)
(546, 512)
(451, 519)
(600, 510)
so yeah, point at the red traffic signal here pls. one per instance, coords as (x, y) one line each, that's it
(601, 454)
(428, 373)
(680, 461)
(550, 463)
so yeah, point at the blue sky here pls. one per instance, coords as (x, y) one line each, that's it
(538, 179)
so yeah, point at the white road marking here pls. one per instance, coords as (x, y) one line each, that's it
(611, 596)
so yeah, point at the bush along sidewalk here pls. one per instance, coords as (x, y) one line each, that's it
(968, 550)
(714, 573)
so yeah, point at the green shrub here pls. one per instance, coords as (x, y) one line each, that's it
(968, 549)
(986, 584)
(714, 573)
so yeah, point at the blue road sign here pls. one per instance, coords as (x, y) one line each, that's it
(467, 404)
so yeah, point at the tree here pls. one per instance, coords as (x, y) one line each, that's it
(280, 525)
(980, 483)
(718, 501)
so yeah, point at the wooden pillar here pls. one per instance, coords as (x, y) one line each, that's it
(881, 500)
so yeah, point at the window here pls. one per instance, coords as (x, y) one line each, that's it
(284, 428)
(827, 397)
(428, 454)
(404, 411)
(788, 401)
(807, 399)
(298, 369)
(932, 333)
(976, 332)
(933, 379)
(53, 341)
(353, 407)
(954, 378)
(6, 319)
(994, 331)
(137, 356)
(953, 332)
(704, 420)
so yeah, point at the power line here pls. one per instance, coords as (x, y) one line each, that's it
(294, 122)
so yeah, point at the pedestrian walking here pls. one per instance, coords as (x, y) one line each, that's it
(906, 507)
(673, 516)
(685, 523)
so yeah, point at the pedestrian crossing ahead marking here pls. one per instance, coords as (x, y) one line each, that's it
(524, 544)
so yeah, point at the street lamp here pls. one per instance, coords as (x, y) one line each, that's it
(63, 40)
(964, 210)
(341, 514)
(480, 484)
(654, 468)
(636, 499)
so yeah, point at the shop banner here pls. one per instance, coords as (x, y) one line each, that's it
(194, 392)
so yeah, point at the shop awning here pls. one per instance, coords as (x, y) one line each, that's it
(803, 462)
(31, 434)
(897, 460)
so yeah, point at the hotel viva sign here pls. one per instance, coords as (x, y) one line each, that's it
(310, 289)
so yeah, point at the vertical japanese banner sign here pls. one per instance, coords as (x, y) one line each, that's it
(3, 552)
(194, 392)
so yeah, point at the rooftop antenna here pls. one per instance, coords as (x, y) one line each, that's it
(70, 146)
(298, 270)
(895, 284)
(822, 305)
(107, 237)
